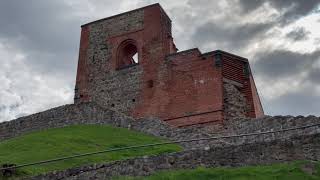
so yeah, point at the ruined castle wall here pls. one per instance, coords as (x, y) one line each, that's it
(183, 88)
(261, 153)
(90, 113)
(85, 113)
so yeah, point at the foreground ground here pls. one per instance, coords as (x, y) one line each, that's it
(291, 171)
(59, 142)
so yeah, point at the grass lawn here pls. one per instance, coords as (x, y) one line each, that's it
(291, 171)
(59, 142)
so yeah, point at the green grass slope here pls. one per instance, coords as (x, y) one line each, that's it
(291, 171)
(59, 142)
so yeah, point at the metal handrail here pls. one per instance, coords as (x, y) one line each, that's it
(156, 144)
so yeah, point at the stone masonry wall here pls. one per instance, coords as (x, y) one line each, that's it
(235, 104)
(103, 81)
(91, 113)
(297, 148)
(107, 91)
(270, 123)
(85, 113)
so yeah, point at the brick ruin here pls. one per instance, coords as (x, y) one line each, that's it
(129, 69)
(129, 63)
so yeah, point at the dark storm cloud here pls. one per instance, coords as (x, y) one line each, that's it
(42, 29)
(233, 37)
(297, 8)
(250, 5)
(283, 63)
(42, 25)
(298, 34)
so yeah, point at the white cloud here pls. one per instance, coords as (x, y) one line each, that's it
(24, 91)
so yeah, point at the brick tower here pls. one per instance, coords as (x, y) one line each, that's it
(129, 62)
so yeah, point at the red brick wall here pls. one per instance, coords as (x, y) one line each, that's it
(81, 89)
(234, 69)
(189, 91)
(256, 100)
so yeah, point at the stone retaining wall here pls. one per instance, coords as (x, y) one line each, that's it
(90, 113)
(267, 123)
(238, 126)
(281, 146)
(296, 148)
(85, 113)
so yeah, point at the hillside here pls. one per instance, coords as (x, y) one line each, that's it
(59, 142)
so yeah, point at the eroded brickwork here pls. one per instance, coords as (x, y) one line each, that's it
(235, 103)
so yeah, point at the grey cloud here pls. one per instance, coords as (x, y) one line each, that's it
(40, 25)
(2, 107)
(234, 37)
(47, 34)
(303, 102)
(283, 63)
(298, 8)
(314, 76)
(298, 34)
(54, 63)
(250, 5)
(45, 31)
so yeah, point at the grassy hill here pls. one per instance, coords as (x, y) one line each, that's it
(291, 171)
(59, 142)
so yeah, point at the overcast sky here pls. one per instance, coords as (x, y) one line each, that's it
(39, 41)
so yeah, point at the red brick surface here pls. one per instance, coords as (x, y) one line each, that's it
(233, 69)
(82, 71)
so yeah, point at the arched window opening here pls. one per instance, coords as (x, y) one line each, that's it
(127, 55)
